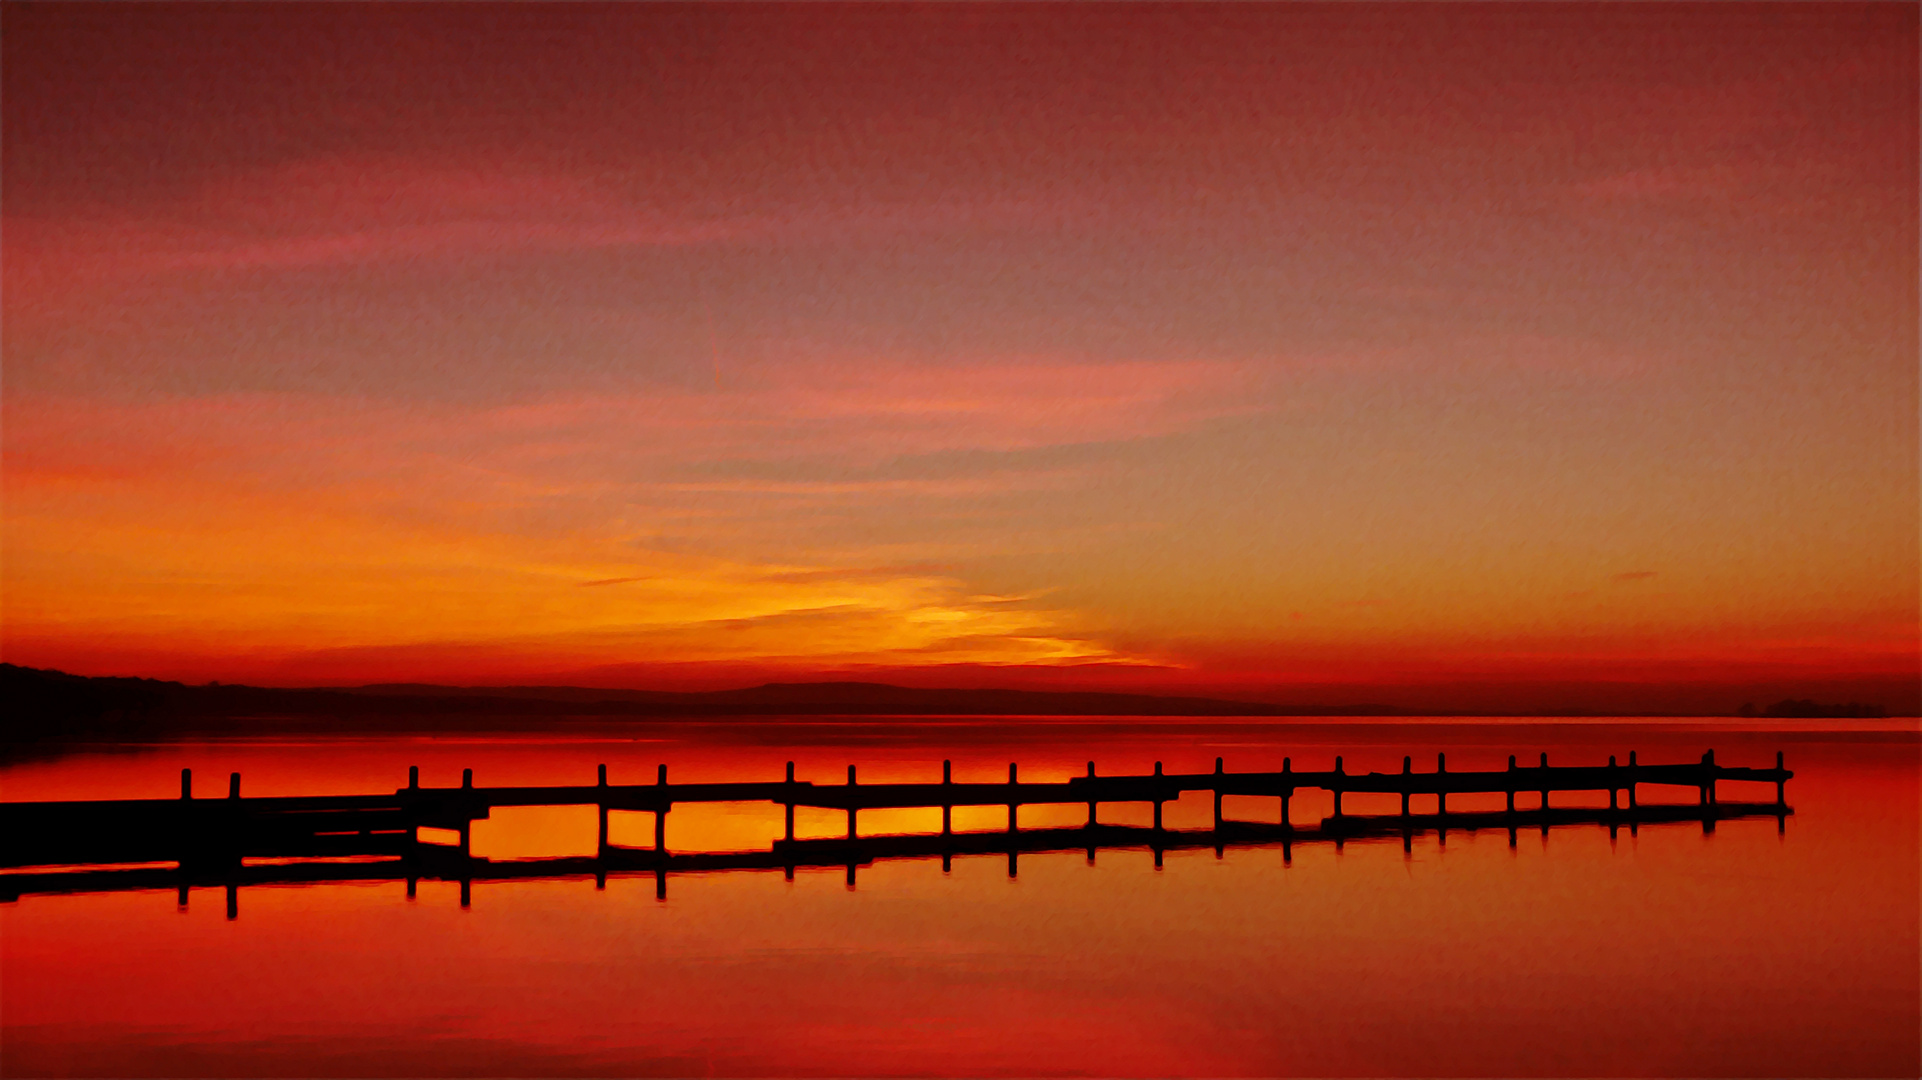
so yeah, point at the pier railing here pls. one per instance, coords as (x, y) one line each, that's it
(219, 833)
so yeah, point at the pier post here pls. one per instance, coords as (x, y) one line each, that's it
(233, 902)
(850, 804)
(1632, 773)
(233, 785)
(1511, 794)
(1287, 766)
(467, 779)
(1544, 780)
(466, 893)
(660, 776)
(660, 882)
(660, 831)
(1781, 782)
(1708, 762)
(413, 777)
(1218, 801)
(601, 879)
(180, 902)
(1012, 797)
(1612, 784)
(1157, 807)
(789, 806)
(466, 832)
(1407, 769)
(1441, 797)
(1091, 803)
(1337, 787)
(947, 808)
(186, 784)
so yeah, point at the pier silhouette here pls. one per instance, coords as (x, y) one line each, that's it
(113, 845)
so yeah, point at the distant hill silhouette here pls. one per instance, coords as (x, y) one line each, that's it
(43, 704)
(1804, 709)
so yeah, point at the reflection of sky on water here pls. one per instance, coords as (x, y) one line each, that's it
(1667, 952)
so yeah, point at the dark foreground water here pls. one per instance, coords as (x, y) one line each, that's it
(1673, 951)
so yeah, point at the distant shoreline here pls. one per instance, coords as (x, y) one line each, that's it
(52, 705)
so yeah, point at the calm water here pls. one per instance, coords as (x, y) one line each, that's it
(1747, 951)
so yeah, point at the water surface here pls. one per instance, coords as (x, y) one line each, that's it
(1745, 950)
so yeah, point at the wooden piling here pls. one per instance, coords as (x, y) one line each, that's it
(1441, 797)
(850, 802)
(186, 784)
(1091, 804)
(1287, 766)
(1511, 792)
(413, 777)
(467, 779)
(1218, 773)
(233, 902)
(1781, 784)
(1337, 787)
(1011, 811)
(789, 805)
(1407, 769)
(1544, 780)
(233, 785)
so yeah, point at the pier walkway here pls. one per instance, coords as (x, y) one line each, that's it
(217, 835)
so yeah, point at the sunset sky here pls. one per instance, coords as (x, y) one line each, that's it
(1500, 357)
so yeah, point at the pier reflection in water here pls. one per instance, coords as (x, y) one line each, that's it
(1670, 937)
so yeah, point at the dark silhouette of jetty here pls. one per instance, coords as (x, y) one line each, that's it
(376, 837)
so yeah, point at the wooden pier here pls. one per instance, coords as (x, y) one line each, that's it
(210, 839)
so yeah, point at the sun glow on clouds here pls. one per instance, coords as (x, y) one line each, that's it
(300, 525)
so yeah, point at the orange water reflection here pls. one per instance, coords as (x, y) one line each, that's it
(1744, 952)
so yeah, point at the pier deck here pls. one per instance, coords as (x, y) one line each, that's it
(221, 832)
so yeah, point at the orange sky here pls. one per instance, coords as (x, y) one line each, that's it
(1503, 357)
